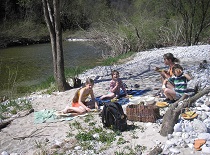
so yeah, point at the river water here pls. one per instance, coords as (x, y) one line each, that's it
(29, 65)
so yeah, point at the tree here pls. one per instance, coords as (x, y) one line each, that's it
(52, 18)
(196, 18)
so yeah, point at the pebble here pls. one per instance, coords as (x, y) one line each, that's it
(4, 153)
(205, 149)
(174, 150)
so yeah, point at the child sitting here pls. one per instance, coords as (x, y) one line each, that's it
(115, 85)
(79, 103)
(179, 80)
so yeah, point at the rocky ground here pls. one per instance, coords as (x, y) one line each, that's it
(24, 136)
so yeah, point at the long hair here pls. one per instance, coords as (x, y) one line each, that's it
(170, 56)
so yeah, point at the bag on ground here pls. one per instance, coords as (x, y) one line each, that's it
(113, 116)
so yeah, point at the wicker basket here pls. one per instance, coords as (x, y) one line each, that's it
(142, 113)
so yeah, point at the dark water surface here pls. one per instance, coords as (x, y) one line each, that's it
(29, 65)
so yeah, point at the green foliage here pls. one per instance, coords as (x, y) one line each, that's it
(84, 136)
(77, 125)
(128, 25)
(24, 29)
(121, 141)
(108, 138)
(88, 118)
(48, 86)
(127, 150)
(75, 71)
(86, 145)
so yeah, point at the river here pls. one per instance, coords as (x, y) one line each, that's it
(30, 65)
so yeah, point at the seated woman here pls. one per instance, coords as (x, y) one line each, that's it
(79, 103)
(170, 61)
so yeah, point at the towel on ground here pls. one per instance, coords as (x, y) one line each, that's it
(45, 116)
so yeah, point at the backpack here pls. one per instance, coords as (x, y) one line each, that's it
(113, 116)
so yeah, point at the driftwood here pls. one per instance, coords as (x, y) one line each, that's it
(6, 122)
(156, 151)
(172, 114)
(34, 133)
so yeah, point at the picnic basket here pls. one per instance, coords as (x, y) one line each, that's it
(142, 113)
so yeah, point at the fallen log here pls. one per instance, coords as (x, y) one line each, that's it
(5, 123)
(172, 114)
(156, 151)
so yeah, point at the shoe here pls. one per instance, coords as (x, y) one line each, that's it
(166, 100)
(169, 101)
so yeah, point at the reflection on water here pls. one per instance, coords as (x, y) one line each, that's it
(30, 65)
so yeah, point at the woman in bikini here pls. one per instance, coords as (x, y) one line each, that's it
(80, 104)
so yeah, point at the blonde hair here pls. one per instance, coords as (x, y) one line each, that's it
(89, 81)
(76, 95)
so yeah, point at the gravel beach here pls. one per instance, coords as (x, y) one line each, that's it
(25, 137)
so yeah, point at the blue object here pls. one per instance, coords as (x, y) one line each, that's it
(122, 99)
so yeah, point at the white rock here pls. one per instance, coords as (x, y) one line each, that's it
(169, 142)
(177, 134)
(191, 146)
(205, 149)
(174, 150)
(4, 153)
(77, 148)
(198, 104)
(185, 135)
(188, 127)
(58, 142)
(178, 127)
(199, 108)
(199, 126)
(198, 112)
(208, 143)
(96, 136)
(205, 107)
(169, 136)
(205, 136)
(157, 142)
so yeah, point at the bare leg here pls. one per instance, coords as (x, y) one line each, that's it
(169, 85)
(110, 95)
(78, 110)
(169, 93)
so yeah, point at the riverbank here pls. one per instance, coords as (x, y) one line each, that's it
(6, 42)
(24, 136)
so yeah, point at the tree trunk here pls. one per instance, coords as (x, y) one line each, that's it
(172, 114)
(52, 18)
